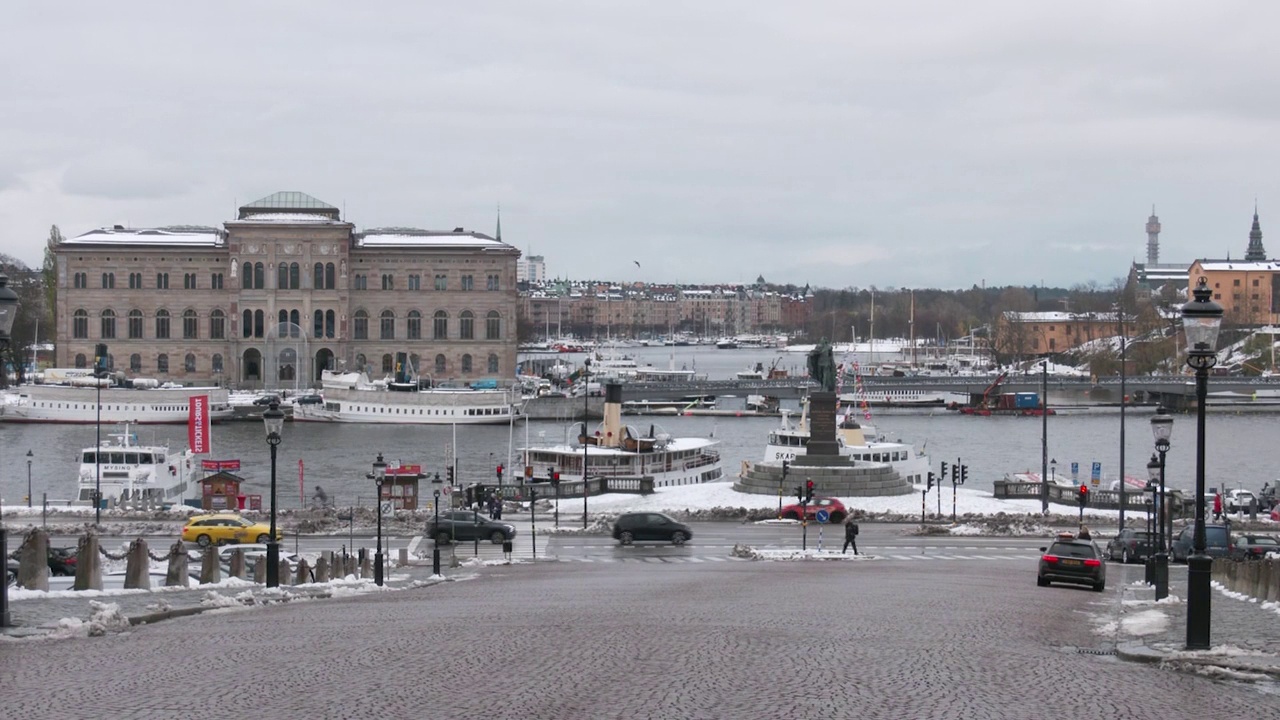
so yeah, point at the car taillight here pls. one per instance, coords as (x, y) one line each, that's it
(1049, 558)
(1092, 562)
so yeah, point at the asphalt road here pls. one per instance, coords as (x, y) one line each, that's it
(883, 638)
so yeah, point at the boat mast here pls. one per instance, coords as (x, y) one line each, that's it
(872, 347)
(912, 325)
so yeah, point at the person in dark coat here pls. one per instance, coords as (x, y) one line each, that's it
(850, 536)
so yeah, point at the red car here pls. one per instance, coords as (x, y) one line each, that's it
(833, 506)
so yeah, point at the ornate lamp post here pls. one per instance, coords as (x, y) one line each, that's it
(1153, 487)
(586, 435)
(8, 312)
(379, 476)
(99, 375)
(30, 455)
(273, 420)
(1201, 319)
(435, 546)
(1162, 430)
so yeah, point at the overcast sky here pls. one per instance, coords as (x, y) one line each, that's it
(834, 143)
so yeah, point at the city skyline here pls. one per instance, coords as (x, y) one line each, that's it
(825, 144)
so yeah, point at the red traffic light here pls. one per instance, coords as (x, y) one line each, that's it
(1084, 489)
(808, 484)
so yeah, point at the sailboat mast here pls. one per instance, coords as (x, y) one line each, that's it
(912, 326)
(872, 347)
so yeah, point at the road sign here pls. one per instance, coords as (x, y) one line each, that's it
(823, 516)
(387, 507)
(1075, 471)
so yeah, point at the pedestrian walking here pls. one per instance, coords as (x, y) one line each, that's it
(1084, 533)
(1217, 506)
(850, 536)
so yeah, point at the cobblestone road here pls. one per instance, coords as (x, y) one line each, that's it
(880, 639)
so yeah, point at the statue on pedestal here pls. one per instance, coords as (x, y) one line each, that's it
(822, 366)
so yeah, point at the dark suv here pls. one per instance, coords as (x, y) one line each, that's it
(1072, 560)
(650, 526)
(1216, 542)
(468, 525)
(1131, 545)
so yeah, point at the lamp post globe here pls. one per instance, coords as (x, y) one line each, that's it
(30, 455)
(379, 476)
(8, 313)
(1201, 320)
(273, 421)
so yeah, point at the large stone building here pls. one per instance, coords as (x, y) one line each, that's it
(1248, 290)
(286, 290)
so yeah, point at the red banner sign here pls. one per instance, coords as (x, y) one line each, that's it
(405, 470)
(198, 424)
(219, 465)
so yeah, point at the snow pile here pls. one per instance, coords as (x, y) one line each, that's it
(105, 618)
(218, 600)
(601, 524)
(750, 553)
(1146, 622)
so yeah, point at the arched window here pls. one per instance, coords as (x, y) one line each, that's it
(317, 323)
(328, 323)
(162, 363)
(246, 276)
(135, 324)
(440, 364)
(493, 364)
(413, 364)
(493, 326)
(189, 363)
(282, 276)
(295, 276)
(81, 361)
(259, 276)
(467, 325)
(247, 323)
(387, 363)
(135, 363)
(295, 320)
(317, 276)
(466, 363)
(440, 325)
(329, 281)
(414, 331)
(108, 324)
(162, 324)
(217, 325)
(217, 363)
(361, 330)
(282, 318)
(80, 325)
(190, 325)
(258, 319)
(387, 325)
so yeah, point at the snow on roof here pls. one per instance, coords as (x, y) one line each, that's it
(415, 237)
(1058, 316)
(290, 199)
(1240, 266)
(288, 218)
(185, 235)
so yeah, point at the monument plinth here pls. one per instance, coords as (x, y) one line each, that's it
(822, 448)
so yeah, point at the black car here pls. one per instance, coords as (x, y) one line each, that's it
(1216, 541)
(458, 525)
(1072, 560)
(1131, 545)
(62, 561)
(650, 527)
(1252, 547)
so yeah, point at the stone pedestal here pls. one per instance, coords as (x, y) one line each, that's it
(210, 568)
(322, 568)
(88, 564)
(237, 564)
(33, 561)
(176, 575)
(822, 449)
(303, 573)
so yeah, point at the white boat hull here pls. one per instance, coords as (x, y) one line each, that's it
(78, 405)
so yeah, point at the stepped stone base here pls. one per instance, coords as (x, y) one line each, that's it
(861, 480)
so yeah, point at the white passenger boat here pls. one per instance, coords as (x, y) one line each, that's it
(615, 450)
(139, 404)
(353, 398)
(144, 475)
(860, 442)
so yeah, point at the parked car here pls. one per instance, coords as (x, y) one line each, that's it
(1238, 501)
(222, 528)
(267, 399)
(1252, 547)
(1131, 545)
(62, 561)
(650, 527)
(1267, 497)
(308, 399)
(459, 525)
(833, 506)
(1215, 539)
(1072, 560)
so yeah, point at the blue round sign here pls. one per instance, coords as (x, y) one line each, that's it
(823, 516)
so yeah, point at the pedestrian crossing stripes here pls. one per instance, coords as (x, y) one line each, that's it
(692, 559)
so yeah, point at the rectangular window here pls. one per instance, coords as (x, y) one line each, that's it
(415, 282)
(388, 282)
(162, 281)
(361, 329)
(215, 281)
(361, 282)
(1236, 283)
(81, 280)
(188, 281)
(108, 327)
(468, 282)
(492, 283)
(189, 327)
(108, 281)
(217, 327)
(135, 327)
(442, 282)
(162, 327)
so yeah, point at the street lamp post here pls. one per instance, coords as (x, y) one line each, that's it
(1044, 437)
(435, 546)
(586, 435)
(1201, 319)
(8, 312)
(1162, 430)
(29, 456)
(1124, 345)
(99, 375)
(1153, 486)
(1053, 470)
(273, 420)
(379, 475)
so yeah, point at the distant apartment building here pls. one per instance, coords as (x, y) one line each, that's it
(1248, 290)
(284, 291)
(531, 269)
(1038, 333)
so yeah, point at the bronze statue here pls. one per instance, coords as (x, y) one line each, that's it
(822, 366)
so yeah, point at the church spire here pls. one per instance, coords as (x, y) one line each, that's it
(1255, 253)
(498, 234)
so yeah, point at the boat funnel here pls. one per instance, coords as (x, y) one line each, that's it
(612, 430)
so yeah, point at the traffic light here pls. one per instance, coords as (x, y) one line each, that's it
(100, 360)
(555, 478)
(964, 473)
(499, 473)
(942, 476)
(930, 487)
(785, 463)
(1082, 495)
(448, 474)
(808, 491)
(799, 494)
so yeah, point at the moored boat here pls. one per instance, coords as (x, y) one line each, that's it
(859, 442)
(127, 472)
(140, 404)
(353, 398)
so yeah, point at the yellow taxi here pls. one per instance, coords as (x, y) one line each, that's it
(206, 530)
